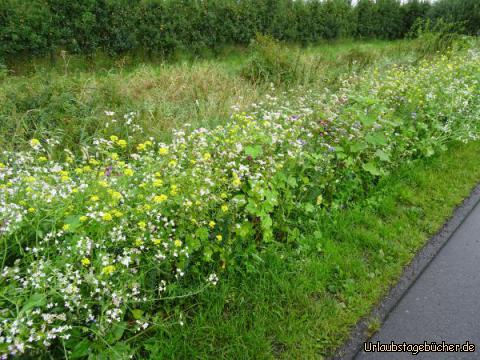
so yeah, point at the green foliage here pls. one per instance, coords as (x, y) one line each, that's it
(164, 27)
(438, 37)
(269, 61)
(466, 12)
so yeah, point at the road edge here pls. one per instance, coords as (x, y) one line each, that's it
(359, 334)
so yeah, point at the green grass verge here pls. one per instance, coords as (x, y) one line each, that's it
(301, 303)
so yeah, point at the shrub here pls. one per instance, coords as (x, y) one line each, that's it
(439, 37)
(269, 61)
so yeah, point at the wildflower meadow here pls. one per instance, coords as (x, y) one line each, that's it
(102, 244)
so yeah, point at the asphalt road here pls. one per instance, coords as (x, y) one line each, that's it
(443, 304)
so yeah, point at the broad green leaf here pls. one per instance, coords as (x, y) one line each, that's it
(80, 350)
(137, 313)
(371, 168)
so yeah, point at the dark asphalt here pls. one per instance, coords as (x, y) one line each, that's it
(444, 302)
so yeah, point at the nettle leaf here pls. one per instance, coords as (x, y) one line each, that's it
(357, 147)
(372, 169)
(382, 155)
(376, 139)
(366, 120)
(254, 151)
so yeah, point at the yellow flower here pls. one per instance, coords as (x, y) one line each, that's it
(78, 171)
(83, 218)
(108, 270)
(114, 156)
(172, 163)
(160, 198)
(69, 159)
(94, 198)
(31, 210)
(128, 172)
(223, 195)
(122, 143)
(142, 225)
(117, 213)
(206, 156)
(93, 162)
(212, 224)
(107, 217)
(319, 199)
(34, 142)
(173, 190)
(163, 151)
(236, 182)
(2, 165)
(141, 147)
(114, 138)
(103, 183)
(178, 243)
(224, 207)
(116, 195)
(157, 182)
(64, 178)
(157, 241)
(85, 262)
(219, 237)
(65, 227)
(138, 242)
(42, 159)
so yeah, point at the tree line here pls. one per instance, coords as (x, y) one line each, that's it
(160, 27)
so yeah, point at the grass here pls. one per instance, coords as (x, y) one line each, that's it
(68, 98)
(302, 302)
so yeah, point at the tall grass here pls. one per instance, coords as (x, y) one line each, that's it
(67, 99)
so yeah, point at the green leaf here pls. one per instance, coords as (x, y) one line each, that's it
(376, 139)
(73, 221)
(309, 208)
(382, 155)
(116, 332)
(202, 233)
(254, 151)
(36, 300)
(80, 350)
(366, 120)
(357, 147)
(137, 314)
(371, 168)
(292, 181)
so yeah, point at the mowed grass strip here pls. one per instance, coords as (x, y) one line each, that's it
(301, 303)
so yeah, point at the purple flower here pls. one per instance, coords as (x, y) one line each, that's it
(108, 171)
